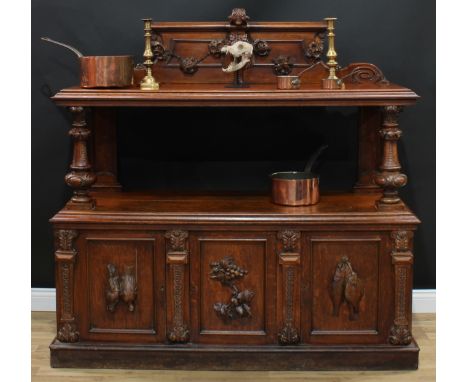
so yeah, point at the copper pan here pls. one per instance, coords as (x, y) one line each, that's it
(102, 71)
(297, 188)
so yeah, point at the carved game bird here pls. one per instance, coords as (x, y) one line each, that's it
(113, 291)
(353, 293)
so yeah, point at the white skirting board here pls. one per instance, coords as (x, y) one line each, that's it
(43, 300)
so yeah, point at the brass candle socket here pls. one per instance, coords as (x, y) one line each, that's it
(332, 82)
(148, 82)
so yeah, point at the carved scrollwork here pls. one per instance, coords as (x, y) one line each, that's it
(283, 65)
(68, 332)
(315, 48)
(346, 287)
(122, 289)
(364, 73)
(261, 48)
(226, 271)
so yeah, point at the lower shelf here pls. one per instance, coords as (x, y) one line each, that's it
(210, 357)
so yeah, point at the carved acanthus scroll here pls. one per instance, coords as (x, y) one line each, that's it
(346, 287)
(65, 256)
(81, 177)
(121, 288)
(289, 260)
(226, 271)
(177, 259)
(402, 258)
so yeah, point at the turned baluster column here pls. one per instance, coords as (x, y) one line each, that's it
(390, 178)
(81, 177)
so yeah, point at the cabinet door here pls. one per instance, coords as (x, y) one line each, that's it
(233, 281)
(346, 301)
(121, 276)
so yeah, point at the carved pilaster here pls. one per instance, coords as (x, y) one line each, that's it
(289, 261)
(177, 259)
(81, 177)
(389, 177)
(65, 255)
(402, 259)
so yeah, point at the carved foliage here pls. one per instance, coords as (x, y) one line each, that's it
(238, 17)
(176, 239)
(289, 240)
(64, 239)
(346, 287)
(121, 289)
(67, 332)
(261, 48)
(315, 48)
(226, 271)
(400, 335)
(283, 65)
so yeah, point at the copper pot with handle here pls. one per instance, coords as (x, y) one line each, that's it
(102, 71)
(297, 188)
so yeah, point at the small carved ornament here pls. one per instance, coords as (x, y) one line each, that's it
(67, 332)
(315, 49)
(288, 335)
(346, 286)
(226, 271)
(238, 17)
(283, 65)
(121, 289)
(400, 335)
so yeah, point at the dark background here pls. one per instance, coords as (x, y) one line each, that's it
(216, 149)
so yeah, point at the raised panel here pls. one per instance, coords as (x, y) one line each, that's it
(345, 289)
(129, 263)
(235, 301)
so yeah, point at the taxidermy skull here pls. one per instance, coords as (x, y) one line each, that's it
(241, 51)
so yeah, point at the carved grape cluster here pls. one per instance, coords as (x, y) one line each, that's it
(226, 270)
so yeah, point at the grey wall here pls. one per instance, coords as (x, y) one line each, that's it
(397, 35)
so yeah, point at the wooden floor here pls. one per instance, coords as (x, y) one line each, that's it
(43, 331)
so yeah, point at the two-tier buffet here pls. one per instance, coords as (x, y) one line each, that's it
(189, 281)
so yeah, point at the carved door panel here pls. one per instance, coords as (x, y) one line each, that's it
(345, 301)
(233, 282)
(123, 276)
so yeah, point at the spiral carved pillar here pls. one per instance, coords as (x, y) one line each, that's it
(390, 178)
(81, 176)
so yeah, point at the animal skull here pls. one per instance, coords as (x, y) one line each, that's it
(241, 51)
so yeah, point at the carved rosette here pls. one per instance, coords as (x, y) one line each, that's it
(81, 177)
(389, 177)
(226, 271)
(402, 258)
(177, 259)
(315, 48)
(289, 260)
(261, 48)
(65, 255)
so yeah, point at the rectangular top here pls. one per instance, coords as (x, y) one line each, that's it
(178, 94)
(156, 208)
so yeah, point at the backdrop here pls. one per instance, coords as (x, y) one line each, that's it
(396, 35)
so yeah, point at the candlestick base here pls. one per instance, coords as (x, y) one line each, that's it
(149, 83)
(331, 84)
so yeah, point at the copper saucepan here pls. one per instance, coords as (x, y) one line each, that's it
(102, 71)
(297, 188)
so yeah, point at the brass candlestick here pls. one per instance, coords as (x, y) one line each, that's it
(332, 82)
(148, 82)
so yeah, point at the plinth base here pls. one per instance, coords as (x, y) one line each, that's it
(210, 357)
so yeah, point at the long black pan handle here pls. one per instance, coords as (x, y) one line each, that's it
(74, 50)
(313, 158)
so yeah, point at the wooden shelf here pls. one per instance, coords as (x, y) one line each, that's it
(158, 208)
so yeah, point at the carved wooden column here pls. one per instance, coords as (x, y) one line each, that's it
(369, 149)
(65, 259)
(177, 296)
(390, 178)
(402, 258)
(288, 296)
(81, 176)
